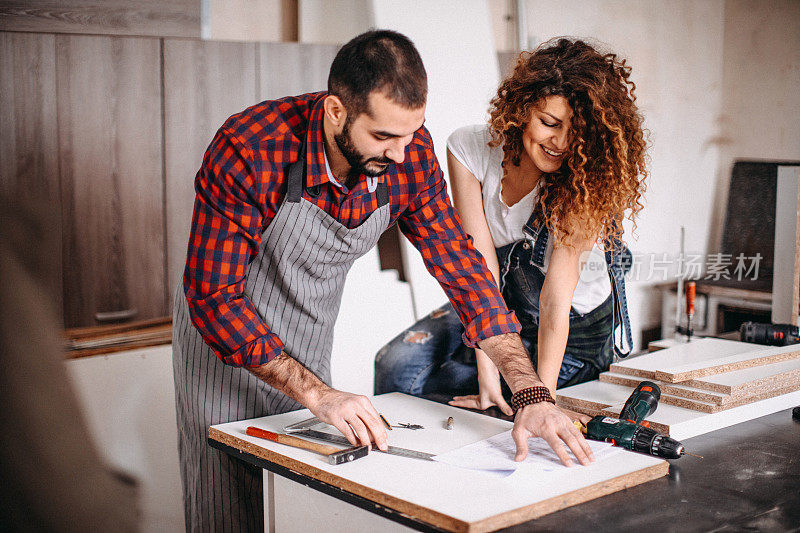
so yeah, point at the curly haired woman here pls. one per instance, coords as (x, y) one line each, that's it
(541, 189)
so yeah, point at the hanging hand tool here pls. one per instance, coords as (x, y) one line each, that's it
(335, 455)
(630, 430)
(690, 293)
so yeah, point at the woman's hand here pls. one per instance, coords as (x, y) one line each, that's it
(489, 391)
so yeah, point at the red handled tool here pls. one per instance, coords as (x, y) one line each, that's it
(335, 455)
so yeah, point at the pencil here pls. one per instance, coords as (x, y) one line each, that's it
(388, 425)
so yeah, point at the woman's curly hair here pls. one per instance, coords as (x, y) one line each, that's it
(603, 172)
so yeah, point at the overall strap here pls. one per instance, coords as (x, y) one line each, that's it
(296, 174)
(538, 235)
(618, 256)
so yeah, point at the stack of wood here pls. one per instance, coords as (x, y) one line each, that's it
(705, 384)
(96, 340)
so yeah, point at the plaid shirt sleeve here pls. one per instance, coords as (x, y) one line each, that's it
(434, 228)
(231, 208)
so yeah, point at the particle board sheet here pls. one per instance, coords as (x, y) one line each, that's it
(764, 356)
(440, 495)
(680, 390)
(774, 375)
(706, 407)
(701, 358)
(592, 397)
(699, 350)
(680, 423)
(771, 382)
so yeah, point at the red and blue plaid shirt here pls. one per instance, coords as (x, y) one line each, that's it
(240, 187)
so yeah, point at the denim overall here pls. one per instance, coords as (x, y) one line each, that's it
(593, 340)
(430, 359)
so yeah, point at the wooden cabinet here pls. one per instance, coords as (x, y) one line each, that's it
(29, 147)
(204, 83)
(105, 135)
(111, 174)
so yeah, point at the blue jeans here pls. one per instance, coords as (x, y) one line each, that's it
(430, 358)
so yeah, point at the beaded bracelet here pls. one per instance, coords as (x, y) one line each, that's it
(524, 397)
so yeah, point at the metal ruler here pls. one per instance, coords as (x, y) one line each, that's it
(304, 428)
(338, 439)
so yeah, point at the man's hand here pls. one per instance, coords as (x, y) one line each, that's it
(351, 414)
(547, 421)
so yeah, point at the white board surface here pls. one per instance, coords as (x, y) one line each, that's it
(466, 495)
(694, 352)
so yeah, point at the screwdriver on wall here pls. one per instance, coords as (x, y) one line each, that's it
(690, 292)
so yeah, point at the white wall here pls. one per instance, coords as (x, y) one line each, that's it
(375, 307)
(760, 116)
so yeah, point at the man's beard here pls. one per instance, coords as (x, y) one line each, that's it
(357, 161)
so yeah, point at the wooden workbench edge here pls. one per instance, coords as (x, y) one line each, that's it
(584, 494)
(434, 518)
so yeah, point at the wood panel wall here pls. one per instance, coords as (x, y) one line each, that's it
(157, 18)
(104, 136)
(289, 68)
(204, 83)
(109, 116)
(29, 147)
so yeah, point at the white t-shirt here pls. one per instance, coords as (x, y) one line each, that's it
(470, 146)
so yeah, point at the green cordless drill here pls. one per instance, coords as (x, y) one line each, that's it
(630, 431)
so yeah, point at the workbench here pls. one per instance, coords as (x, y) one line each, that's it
(392, 493)
(749, 479)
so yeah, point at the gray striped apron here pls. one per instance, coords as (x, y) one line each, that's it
(295, 282)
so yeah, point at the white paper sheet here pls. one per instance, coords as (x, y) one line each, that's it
(496, 455)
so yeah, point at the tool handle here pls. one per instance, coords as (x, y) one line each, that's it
(290, 440)
(690, 293)
(642, 402)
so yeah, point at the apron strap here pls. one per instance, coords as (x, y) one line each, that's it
(382, 192)
(296, 174)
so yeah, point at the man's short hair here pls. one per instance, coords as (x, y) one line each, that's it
(381, 60)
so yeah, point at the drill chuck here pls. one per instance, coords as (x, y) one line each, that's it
(649, 441)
